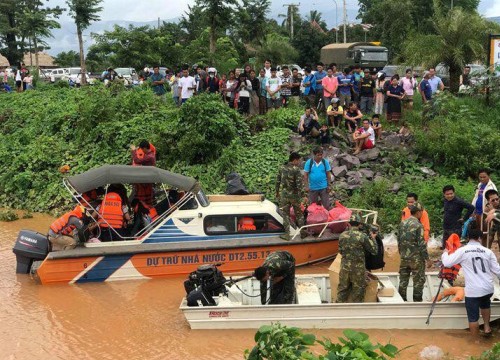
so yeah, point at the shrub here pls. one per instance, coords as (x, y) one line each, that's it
(8, 215)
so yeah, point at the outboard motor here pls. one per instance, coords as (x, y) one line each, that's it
(203, 284)
(30, 246)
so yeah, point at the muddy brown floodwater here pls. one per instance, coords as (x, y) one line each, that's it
(141, 319)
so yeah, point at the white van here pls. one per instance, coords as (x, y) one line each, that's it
(58, 74)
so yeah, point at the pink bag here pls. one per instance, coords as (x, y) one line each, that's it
(339, 212)
(317, 214)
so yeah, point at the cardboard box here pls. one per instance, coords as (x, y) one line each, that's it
(371, 286)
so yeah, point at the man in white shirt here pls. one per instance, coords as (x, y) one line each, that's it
(273, 87)
(187, 84)
(479, 265)
(267, 68)
(364, 137)
(435, 81)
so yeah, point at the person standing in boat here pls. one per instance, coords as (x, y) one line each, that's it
(353, 244)
(292, 192)
(279, 267)
(479, 265)
(65, 233)
(144, 155)
(413, 253)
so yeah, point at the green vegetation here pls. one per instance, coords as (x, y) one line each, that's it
(492, 354)
(278, 342)
(8, 215)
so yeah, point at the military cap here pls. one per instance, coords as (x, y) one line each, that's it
(355, 218)
(416, 207)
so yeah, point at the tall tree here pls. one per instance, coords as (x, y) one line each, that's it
(9, 31)
(38, 22)
(251, 22)
(459, 38)
(83, 12)
(315, 16)
(67, 59)
(218, 13)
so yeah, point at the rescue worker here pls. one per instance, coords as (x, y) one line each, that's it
(413, 253)
(292, 192)
(67, 231)
(411, 199)
(279, 267)
(145, 155)
(353, 244)
(113, 214)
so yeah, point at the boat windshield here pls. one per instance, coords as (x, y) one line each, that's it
(202, 198)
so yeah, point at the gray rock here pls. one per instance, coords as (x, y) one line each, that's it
(396, 187)
(353, 187)
(369, 155)
(379, 178)
(350, 161)
(353, 178)
(392, 140)
(339, 171)
(367, 173)
(428, 171)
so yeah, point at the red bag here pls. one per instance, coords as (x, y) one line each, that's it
(339, 212)
(317, 214)
(293, 218)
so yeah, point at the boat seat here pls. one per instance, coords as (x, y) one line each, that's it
(395, 298)
(307, 293)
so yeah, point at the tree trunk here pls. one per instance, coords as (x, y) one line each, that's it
(35, 44)
(213, 38)
(12, 51)
(455, 72)
(82, 57)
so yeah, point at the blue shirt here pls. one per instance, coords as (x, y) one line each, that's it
(263, 91)
(158, 89)
(479, 201)
(426, 88)
(343, 80)
(307, 89)
(356, 81)
(319, 76)
(434, 82)
(317, 175)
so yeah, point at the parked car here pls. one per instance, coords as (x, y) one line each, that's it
(127, 73)
(291, 67)
(75, 76)
(477, 73)
(58, 74)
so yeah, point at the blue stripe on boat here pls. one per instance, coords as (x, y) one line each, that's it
(104, 268)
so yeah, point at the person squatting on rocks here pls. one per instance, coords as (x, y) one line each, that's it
(479, 265)
(353, 244)
(413, 253)
(279, 267)
(289, 179)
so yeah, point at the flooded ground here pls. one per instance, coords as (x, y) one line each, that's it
(141, 320)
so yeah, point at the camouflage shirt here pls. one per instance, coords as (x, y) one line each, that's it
(353, 244)
(411, 241)
(279, 263)
(290, 180)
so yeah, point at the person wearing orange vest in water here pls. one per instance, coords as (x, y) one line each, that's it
(113, 214)
(145, 155)
(411, 199)
(65, 233)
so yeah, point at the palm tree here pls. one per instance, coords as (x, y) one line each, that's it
(460, 38)
(315, 16)
(83, 12)
(218, 12)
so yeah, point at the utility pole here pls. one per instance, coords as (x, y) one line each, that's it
(291, 12)
(345, 22)
(336, 22)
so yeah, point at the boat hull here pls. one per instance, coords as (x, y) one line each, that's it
(148, 261)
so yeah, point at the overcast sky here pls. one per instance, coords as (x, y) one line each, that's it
(147, 10)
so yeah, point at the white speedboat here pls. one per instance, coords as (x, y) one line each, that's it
(314, 308)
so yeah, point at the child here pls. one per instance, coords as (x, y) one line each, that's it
(377, 126)
(324, 135)
(335, 113)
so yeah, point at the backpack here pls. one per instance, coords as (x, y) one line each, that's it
(374, 262)
(324, 164)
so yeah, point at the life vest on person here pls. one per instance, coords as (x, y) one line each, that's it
(246, 224)
(152, 213)
(140, 154)
(61, 226)
(111, 212)
(451, 273)
(144, 193)
(90, 195)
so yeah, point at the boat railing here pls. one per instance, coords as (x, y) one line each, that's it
(368, 216)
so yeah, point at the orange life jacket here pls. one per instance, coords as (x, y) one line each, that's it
(140, 153)
(246, 224)
(111, 211)
(457, 292)
(144, 193)
(61, 226)
(153, 214)
(451, 273)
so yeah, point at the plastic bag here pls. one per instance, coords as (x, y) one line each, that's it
(235, 185)
(339, 212)
(317, 214)
(431, 353)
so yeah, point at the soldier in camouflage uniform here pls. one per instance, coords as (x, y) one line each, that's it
(279, 266)
(413, 253)
(292, 192)
(353, 243)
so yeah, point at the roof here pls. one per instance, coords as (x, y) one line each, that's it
(126, 174)
(4, 61)
(44, 59)
(347, 45)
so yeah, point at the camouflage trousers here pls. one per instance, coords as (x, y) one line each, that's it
(415, 267)
(286, 202)
(351, 281)
(282, 292)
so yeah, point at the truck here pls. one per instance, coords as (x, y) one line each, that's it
(365, 54)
